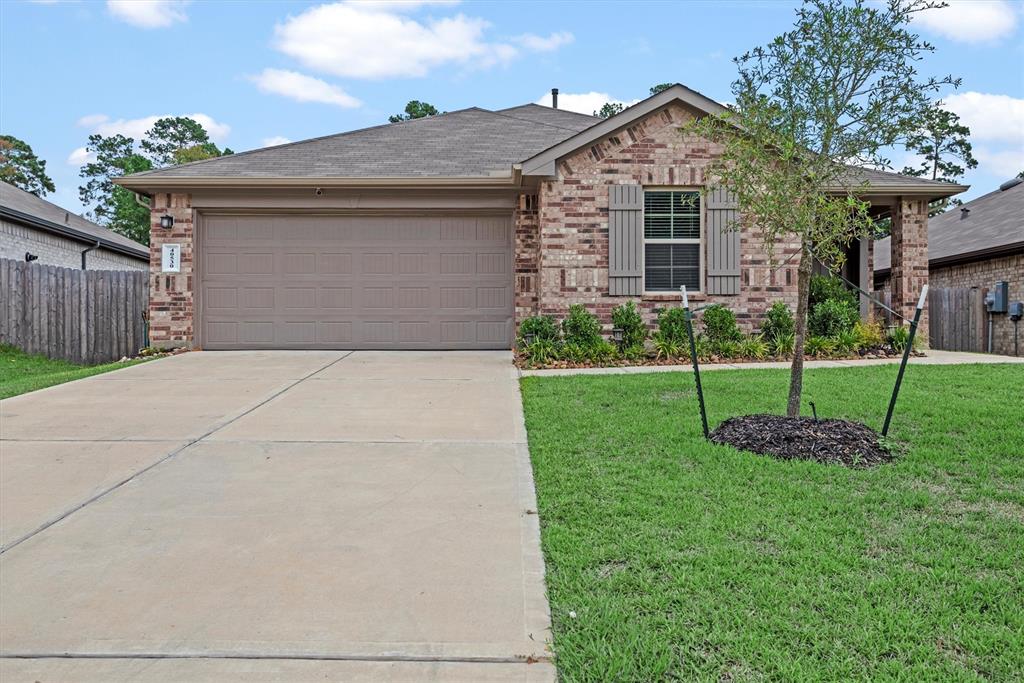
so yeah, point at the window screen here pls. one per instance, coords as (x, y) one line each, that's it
(671, 240)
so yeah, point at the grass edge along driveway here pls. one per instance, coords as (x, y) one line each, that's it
(669, 558)
(21, 373)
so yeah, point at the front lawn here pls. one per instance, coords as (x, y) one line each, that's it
(21, 373)
(669, 558)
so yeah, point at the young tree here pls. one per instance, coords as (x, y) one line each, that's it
(20, 167)
(415, 110)
(837, 89)
(943, 143)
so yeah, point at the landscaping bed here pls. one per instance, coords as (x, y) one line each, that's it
(21, 373)
(670, 557)
(833, 442)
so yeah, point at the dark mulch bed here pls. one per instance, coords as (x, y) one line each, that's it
(833, 442)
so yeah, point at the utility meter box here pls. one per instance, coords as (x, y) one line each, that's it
(998, 298)
(1016, 310)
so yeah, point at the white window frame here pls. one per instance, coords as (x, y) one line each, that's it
(689, 240)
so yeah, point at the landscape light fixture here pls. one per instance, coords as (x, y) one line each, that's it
(529, 338)
(617, 336)
(167, 221)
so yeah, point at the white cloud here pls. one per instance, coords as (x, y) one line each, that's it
(1003, 163)
(585, 102)
(542, 44)
(148, 13)
(275, 140)
(378, 40)
(302, 88)
(136, 128)
(990, 117)
(81, 157)
(970, 21)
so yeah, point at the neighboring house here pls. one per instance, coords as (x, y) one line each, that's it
(975, 246)
(33, 226)
(443, 232)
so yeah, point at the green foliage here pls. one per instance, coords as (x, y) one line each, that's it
(942, 143)
(842, 86)
(171, 140)
(541, 352)
(655, 89)
(847, 342)
(777, 321)
(898, 338)
(634, 353)
(754, 347)
(720, 324)
(19, 166)
(825, 287)
(672, 325)
(869, 335)
(627, 318)
(415, 110)
(581, 328)
(609, 109)
(723, 348)
(819, 346)
(543, 327)
(832, 317)
(782, 344)
(666, 348)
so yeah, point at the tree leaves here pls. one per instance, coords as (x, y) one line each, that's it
(20, 167)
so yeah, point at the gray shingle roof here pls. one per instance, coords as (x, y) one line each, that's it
(562, 118)
(994, 221)
(887, 179)
(466, 143)
(16, 199)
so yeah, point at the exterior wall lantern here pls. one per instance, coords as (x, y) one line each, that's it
(166, 221)
(30, 257)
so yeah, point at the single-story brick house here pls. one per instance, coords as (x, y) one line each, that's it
(442, 232)
(973, 247)
(33, 227)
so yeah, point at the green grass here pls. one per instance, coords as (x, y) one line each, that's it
(21, 373)
(669, 558)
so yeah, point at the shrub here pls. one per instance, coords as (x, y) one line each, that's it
(543, 328)
(898, 338)
(627, 318)
(724, 348)
(778, 321)
(634, 353)
(754, 347)
(783, 344)
(832, 317)
(581, 328)
(819, 346)
(825, 287)
(541, 352)
(847, 342)
(869, 335)
(672, 325)
(666, 347)
(720, 324)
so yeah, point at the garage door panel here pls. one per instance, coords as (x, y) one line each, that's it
(356, 282)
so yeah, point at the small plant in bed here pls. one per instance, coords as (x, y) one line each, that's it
(833, 442)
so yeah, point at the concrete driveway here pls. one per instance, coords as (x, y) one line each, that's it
(273, 516)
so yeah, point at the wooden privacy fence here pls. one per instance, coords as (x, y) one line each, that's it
(956, 319)
(84, 316)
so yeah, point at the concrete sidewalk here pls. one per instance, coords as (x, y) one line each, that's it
(931, 358)
(273, 515)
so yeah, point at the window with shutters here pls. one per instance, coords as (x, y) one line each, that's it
(673, 226)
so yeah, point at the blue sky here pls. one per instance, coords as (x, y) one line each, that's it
(265, 72)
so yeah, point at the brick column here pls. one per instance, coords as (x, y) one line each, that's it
(910, 258)
(527, 247)
(171, 300)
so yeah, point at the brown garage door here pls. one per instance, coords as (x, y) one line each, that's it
(355, 282)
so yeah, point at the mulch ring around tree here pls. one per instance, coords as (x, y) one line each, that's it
(833, 442)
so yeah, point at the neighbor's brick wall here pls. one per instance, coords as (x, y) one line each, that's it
(570, 233)
(171, 295)
(54, 250)
(983, 275)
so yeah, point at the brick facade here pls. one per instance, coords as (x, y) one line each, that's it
(982, 275)
(909, 246)
(570, 233)
(54, 250)
(171, 295)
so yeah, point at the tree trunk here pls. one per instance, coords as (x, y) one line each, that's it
(803, 286)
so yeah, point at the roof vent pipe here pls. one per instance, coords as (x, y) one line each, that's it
(1011, 183)
(963, 212)
(554, 98)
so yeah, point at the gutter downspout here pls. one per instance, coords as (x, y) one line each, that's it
(138, 200)
(86, 251)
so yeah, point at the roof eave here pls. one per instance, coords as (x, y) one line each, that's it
(930, 192)
(66, 231)
(143, 183)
